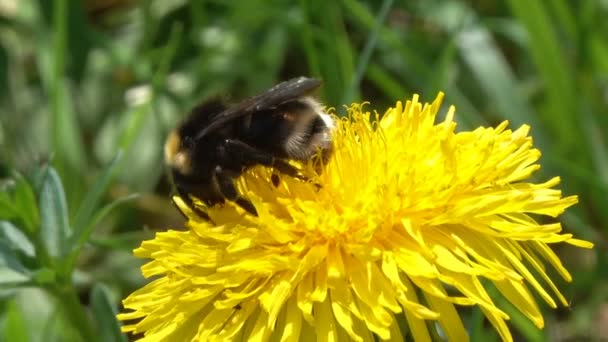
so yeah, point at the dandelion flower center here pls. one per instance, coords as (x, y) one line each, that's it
(407, 222)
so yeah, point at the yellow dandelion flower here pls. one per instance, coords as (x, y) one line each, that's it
(411, 222)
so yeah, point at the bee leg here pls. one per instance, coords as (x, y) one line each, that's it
(178, 208)
(288, 169)
(226, 186)
(186, 198)
(252, 156)
(275, 179)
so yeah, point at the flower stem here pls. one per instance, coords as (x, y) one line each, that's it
(77, 315)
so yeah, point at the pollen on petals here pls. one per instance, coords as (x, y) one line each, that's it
(407, 223)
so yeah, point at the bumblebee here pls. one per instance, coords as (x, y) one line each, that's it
(217, 142)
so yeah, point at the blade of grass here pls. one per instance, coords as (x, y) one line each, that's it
(591, 83)
(103, 212)
(520, 322)
(67, 144)
(158, 80)
(599, 154)
(123, 241)
(554, 70)
(496, 79)
(475, 327)
(306, 37)
(386, 82)
(344, 57)
(87, 230)
(4, 66)
(564, 16)
(163, 68)
(444, 67)
(366, 54)
(421, 69)
(468, 117)
(336, 57)
(133, 127)
(94, 195)
(599, 52)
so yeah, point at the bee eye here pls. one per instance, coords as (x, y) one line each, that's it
(318, 126)
(187, 142)
(288, 116)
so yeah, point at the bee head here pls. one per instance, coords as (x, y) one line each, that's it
(181, 141)
(177, 152)
(310, 130)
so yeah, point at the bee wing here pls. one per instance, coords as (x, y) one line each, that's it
(280, 93)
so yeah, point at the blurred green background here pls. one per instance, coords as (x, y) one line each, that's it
(92, 87)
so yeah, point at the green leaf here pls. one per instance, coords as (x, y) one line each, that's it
(45, 276)
(76, 318)
(8, 211)
(17, 201)
(15, 238)
(105, 315)
(9, 258)
(93, 197)
(15, 325)
(38, 175)
(54, 223)
(25, 202)
(12, 278)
